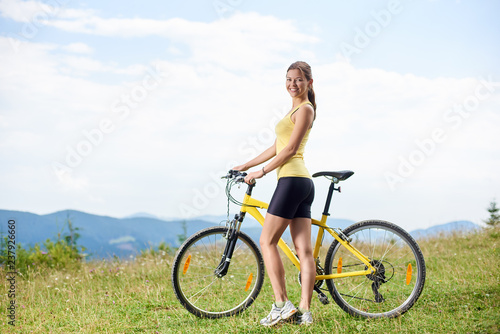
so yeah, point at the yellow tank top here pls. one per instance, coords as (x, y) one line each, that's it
(295, 166)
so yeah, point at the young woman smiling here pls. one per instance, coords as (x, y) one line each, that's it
(292, 199)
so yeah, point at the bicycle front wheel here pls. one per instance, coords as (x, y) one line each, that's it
(398, 281)
(197, 286)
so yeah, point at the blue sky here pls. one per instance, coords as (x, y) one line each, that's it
(115, 108)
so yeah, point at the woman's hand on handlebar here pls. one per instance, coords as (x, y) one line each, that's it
(240, 168)
(251, 177)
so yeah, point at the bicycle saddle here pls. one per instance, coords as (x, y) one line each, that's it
(341, 175)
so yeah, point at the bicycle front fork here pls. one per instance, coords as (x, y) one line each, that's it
(223, 266)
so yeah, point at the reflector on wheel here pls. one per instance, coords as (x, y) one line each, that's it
(186, 265)
(408, 274)
(249, 282)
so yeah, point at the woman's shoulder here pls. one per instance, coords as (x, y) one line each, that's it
(303, 106)
(306, 108)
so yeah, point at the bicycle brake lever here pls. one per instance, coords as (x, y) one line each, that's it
(229, 174)
(234, 173)
(240, 179)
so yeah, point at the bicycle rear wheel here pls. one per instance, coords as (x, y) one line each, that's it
(197, 286)
(400, 275)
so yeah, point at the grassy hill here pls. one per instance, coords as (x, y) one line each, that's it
(461, 295)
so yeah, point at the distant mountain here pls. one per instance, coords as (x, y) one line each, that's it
(102, 236)
(105, 236)
(464, 226)
(142, 215)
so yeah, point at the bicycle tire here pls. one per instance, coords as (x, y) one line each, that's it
(395, 287)
(203, 293)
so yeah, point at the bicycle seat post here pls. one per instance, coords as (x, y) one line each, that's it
(329, 197)
(335, 177)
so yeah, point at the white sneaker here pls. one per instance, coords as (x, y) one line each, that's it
(304, 318)
(278, 314)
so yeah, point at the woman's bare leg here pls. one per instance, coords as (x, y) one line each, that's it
(300, 229)
(274, 227)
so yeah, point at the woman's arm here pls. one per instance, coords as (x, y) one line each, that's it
(304, 118)
(263, 157)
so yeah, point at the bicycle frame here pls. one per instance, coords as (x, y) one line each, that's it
(222, 260)
(250, 206)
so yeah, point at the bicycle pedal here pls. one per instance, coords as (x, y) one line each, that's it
(323, 298)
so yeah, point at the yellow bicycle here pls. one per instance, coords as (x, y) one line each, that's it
(372, 269)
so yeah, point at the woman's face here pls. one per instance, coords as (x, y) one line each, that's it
(296, 84)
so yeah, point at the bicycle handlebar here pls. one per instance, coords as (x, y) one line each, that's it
(237, 175)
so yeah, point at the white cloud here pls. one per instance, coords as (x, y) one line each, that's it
(210, 108)
(23, 11)
(37, 12)
(241, 39)
(70, 183)
(78, 48)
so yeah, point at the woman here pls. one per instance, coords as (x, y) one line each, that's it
(292, 199)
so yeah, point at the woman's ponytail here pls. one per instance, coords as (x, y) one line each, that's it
(312, 98)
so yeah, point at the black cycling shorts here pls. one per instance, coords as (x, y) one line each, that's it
(292, 198)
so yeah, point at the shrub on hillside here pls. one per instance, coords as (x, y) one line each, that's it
(58, 254)
(163, 249)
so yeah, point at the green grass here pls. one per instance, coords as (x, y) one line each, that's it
(461, 295)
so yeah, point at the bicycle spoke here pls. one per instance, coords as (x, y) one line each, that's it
(202, 290)
(383, 293)
(197, 286)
